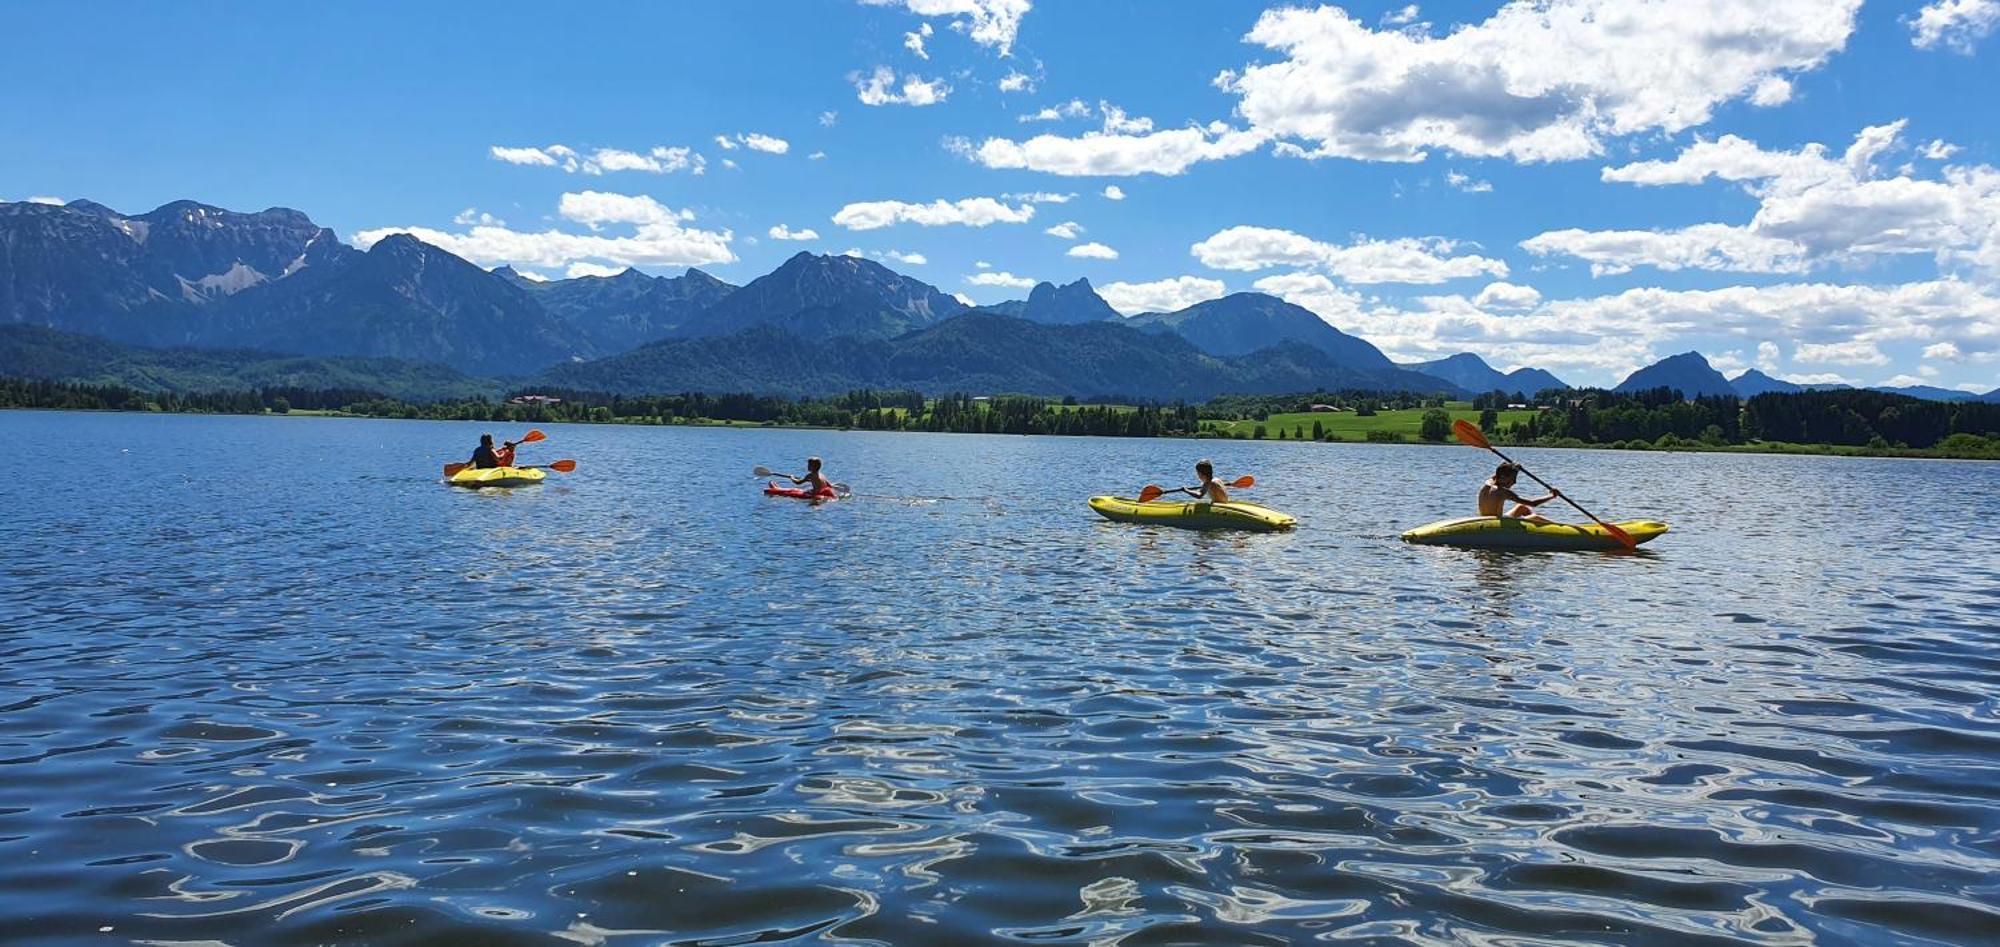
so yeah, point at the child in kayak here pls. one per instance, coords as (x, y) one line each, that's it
(1210, 489)
(487, 457)
(1496, 492)
(814, 482)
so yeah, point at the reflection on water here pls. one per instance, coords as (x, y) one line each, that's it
(245, 702)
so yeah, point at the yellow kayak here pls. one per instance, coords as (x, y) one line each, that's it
(497, 477)
(1494, 532)
(1197, 515)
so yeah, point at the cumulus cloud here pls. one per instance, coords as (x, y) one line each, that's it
(911, 259)
(1000, 278)
(1074, 108)
(914, 42)
(660, 159)
(1465, 183)
(1041, 197)
(659, 236)
(782, 232)
(472, 216)
(1541, 80)
(1017, 82)
(1957, 25)
(881, 88)
(1093, 251)
(1700, 247)
(1941, 350)
(991, 23)
(1121, 152)
(1814, 207)
(1507, 296)
(1068, 230)
(764, 143)
(1839, 353)
(1113, 192)
(970, 212)
(1165, 295)
(1404, 260)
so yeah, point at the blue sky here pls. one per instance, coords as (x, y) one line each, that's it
(1808, 186)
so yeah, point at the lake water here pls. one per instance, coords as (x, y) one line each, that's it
(267, 681)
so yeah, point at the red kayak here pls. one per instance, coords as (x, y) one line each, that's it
(825, 493)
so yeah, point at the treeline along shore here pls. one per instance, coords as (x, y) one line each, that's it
(1849, 421)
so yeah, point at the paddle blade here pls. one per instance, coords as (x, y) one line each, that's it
(1622, 536)
(1469, 433)
(761, 471)
(531, 437)
(1150, 492)
(450, 469)
(1244, 482)
(563, 466)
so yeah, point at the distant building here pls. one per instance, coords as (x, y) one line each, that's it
(1329, 407)
(533, 399)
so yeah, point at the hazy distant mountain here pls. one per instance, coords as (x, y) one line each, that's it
(1470, 372)
(1059, 305)
(1689, 373)
(403, 299)
(52, 355)
(1247, 322)
(823, 297)
(1752, 383)
(622, 312)
(978, 352)
(1933, 393)
(149, 278)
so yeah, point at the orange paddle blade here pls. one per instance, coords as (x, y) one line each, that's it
(1244, 482)
(531, 437)
(1622, 536)
(564, 466)
(450, 469)
(1469, 433)
(1150, 492)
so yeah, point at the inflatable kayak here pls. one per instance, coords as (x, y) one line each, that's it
(497, 477)
(1195, 515)
(1493, 532)
(773, 490)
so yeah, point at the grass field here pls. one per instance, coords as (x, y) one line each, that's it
(1349, 426)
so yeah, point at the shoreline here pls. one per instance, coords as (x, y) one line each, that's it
(1772, 448)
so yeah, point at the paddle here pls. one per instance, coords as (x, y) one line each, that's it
(1472, 436)
(528, 438)
(560, 466)
(1152, 491)
(762, 471)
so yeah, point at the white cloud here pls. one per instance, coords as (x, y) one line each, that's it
(816, 156)
(729, 163)
(782, 232)
(911, 259)
(764, 143)
(725, 143)
(991, 23)
(1468, 185)
(982, 264)
(1403, 17)
(1540, 80)
(1093, 251)
(576, 270)
(1957, 25)
(472, 215)
(1814, 208)
(1938, 150)
(1943, 350)
(44, 199)
(1074, 108)
(660, 237)
(1507, 296)
(1839, 353)
(1113, 192)
(1335, 305)
(1068, 230)
(660, 159)
(1165, 295)
(880, 88)
(1403, 260)
(1729, 363)
(1017, 82)
(1116, 122)
(1700, 247)
(1118, 153)
(829, 119)
(1767, 355)
(1000, 278)
(914, 42)
(532, 276)
(1041, 197)
(970, 212)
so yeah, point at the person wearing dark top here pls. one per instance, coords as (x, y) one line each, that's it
(485, 457)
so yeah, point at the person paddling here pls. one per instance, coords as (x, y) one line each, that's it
(1209, 489)
(487, 457)
(814, 482)
(1495, 494)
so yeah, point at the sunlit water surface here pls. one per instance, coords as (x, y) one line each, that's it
(267, 681)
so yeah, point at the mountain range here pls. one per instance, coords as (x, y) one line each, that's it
(1692, 375)
(255, 289)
